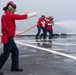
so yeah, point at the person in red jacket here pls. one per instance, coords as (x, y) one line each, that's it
(40, 23)
(48, 26)
(8, 32)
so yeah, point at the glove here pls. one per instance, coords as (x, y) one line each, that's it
(50, 24)
(43, 22)
(33, 14)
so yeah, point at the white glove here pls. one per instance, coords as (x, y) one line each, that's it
(33, 14)
(43, 22)
(50, 24)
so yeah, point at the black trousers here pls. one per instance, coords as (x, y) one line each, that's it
(39, 30)
(50, 33)
(8, 48)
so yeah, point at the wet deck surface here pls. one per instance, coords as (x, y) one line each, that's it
(35, 61)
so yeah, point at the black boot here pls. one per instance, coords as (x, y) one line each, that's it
(41, 36)
(44, 36)
(50, 37)
(1, 73)
(16, 70)
(36, 37)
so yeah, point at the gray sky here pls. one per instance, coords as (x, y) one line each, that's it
(61, 10)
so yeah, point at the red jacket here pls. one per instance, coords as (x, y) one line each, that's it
(8, 24)
(48, 24)
(40, 20)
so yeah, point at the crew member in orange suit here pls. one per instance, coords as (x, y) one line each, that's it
(40, 26)
(8, 32)
(48, 26)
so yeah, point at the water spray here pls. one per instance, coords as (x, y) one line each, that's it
(69, 22)
(68, 26)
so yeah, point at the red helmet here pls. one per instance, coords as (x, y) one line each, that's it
(9, 3)
(43, 16)
(51, 18)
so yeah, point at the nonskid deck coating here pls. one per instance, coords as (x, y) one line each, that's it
(38, 62)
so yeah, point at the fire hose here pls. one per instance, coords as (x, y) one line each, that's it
(25, 30)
